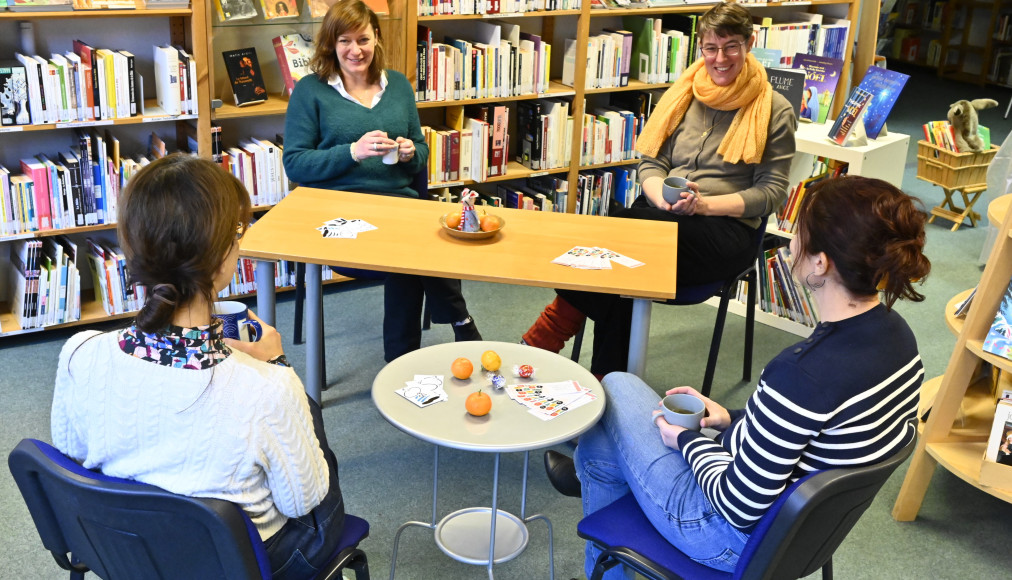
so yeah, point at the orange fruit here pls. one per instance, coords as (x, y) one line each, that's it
(489, 223)
(490, 360)
(453, 220)
(478, 404)
(462, 368)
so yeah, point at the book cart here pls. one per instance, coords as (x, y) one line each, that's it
(960, 404)
(965, 173)
(201, 31)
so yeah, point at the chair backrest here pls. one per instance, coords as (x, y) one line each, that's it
(809, 521)
(124, 529)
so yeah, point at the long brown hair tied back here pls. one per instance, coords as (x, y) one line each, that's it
(873, 233)
(178, 218)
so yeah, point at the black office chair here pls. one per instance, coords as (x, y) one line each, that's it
(796, 537)
(725, 289)
(125, 529)
(421, 185)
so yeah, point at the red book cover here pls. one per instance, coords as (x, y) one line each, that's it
(39, 175)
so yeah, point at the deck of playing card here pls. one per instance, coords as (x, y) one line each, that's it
(549, 400)
(594, 258)
(424, 390)
(344, 228)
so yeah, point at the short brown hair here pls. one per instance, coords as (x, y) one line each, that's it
(343, 17)
(725, 19)
(873, 233)
(178, 219)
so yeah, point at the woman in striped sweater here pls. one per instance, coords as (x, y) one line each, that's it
(842, 397)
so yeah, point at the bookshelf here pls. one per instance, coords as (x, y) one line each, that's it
(137, 31)
(555, 26)
(962, 401)
(206, 37)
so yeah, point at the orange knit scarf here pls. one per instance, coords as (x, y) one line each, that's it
(750, 93)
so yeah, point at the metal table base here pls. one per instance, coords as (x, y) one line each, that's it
(461, 550)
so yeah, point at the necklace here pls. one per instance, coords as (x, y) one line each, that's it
(713, 123)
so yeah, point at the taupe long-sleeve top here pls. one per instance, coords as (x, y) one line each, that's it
(691, 152)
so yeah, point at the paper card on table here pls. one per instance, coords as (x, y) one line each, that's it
(424, 390)
(626, 261)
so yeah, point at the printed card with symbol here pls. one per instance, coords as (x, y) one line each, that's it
(344, 228)
(424, 390)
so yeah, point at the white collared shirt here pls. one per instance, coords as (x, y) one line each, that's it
(338, 84)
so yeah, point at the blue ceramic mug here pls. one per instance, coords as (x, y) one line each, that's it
(238, 324)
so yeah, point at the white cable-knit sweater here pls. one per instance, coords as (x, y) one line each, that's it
(240, 431)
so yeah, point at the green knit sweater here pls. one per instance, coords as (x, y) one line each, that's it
(321, 125)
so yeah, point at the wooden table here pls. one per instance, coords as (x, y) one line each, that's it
(409, 240)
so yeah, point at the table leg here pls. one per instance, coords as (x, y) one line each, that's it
(431, 525)
(315, 365)
(265, 291)
(548, 522)
(494, 516)
(638, 336)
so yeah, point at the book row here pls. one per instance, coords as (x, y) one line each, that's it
(232, 10)
(257, 164)
(244, 280)
(44, 282)
(803, 33)
(435, 7)
(88, 84)
(494, 60)
(660, 49)
(76, 187)
(778, 293)
(822, 168)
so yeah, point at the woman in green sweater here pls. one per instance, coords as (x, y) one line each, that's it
(353, 126)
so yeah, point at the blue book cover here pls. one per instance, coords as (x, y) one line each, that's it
(768, 57)
(999, 338)
(885, 86)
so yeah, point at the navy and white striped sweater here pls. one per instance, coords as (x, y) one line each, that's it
(842, 397)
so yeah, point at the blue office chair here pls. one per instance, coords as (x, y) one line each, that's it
(725, 289)
(124, 529)
(796, 537)
(421, 185)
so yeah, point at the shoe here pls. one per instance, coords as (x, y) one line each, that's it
(466, 331)
(562, 473)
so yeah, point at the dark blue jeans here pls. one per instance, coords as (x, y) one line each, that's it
(303, 545)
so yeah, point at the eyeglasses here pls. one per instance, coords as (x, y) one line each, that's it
(730, 49)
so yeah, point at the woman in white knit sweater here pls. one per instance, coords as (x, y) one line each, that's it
(170, 402)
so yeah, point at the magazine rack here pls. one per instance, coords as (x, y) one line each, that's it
(965, 173)
(959, 406)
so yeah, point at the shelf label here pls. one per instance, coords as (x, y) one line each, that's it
(448, 184)
(11, 129)
(74, 124)
(538, 174)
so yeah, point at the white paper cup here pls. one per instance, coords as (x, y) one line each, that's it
(391, 157)
(684, 410)
(673, 187)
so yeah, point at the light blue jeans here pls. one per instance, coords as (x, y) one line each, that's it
(624, 453)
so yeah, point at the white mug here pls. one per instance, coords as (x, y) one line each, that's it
(391, 157)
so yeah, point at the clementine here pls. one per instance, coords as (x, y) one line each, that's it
(490, 360)
(478, 404)
(453, 220)
(462, 368)
(489, 223)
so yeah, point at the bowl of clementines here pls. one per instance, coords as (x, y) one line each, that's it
(490, 225)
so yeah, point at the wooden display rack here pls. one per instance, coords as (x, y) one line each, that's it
(965, 173)
(962, 401)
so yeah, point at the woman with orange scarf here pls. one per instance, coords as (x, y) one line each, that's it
(721, 126)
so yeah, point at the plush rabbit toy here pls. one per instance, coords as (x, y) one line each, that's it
(963, 117)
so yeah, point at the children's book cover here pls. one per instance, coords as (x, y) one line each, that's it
(235, 9)
(999, 338)
(768, 57)
(885, 86)
(294, 52)
(856, 103)
(14, 109)
(822, 75)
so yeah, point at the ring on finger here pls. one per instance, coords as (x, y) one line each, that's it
(374, 146)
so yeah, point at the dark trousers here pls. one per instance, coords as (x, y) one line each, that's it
(709, 249)
(402, 309)
(303, 545)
